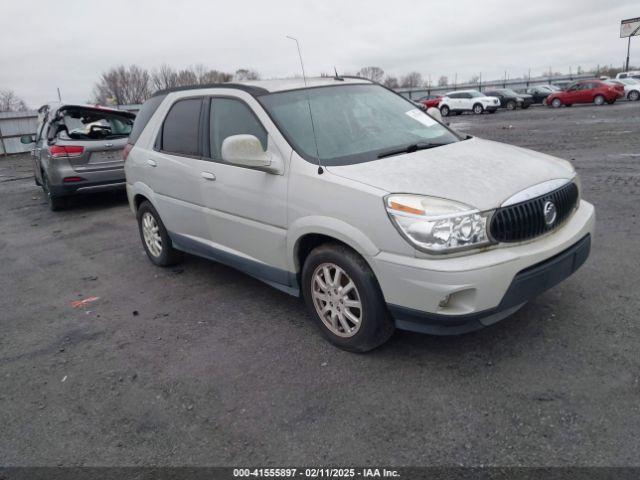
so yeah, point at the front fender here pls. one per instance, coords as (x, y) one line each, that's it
(330, 227)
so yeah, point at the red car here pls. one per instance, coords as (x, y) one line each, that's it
(430, 100)
(584, 91)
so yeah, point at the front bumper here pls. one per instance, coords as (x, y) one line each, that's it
(480, 287)
(526, 285)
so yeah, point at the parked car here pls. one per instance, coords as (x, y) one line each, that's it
(461, 101)
(510, 99)
(78, 149)
(430, 101)
(584, 91)
(631, 88)
(378, 215)
(618, 85)
(538, 93)
(629, 74)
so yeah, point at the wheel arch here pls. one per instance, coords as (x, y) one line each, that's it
(308, 233)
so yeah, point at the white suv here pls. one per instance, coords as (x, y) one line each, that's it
(467, 101)
(377, 214)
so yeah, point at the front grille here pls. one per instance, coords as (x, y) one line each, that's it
(526, 220)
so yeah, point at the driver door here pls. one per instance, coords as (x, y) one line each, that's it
(245, 208)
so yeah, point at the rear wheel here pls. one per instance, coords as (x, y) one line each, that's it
(478, 109)
(55, 203)
(344, 298)
(155, 238)
(634, 95)
(444, 111)
(599, 100)
(511, 105)
(556, 103)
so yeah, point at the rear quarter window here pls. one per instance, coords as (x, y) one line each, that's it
(144, 115)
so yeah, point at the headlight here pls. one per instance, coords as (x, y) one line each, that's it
(436, 225)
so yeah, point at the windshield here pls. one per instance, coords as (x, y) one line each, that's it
(353, 123)
(508, 91)
(92, 124)
(629, 81)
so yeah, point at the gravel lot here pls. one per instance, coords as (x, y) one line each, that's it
(202, 365)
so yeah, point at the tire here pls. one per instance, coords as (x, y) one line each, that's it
(525, 106)
(511, 105)
(556, 103)
(445, 111)
(492, 110)
(611, 102)
(55, 203)
(478, 109)
(634, 95)
(161, 253)
(599, 100)
(375, 325)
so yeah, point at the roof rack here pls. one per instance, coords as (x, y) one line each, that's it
(252, 90)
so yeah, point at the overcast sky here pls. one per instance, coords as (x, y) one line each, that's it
(67, 44)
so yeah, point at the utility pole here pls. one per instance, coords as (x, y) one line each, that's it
(628, 50)
(59, 96)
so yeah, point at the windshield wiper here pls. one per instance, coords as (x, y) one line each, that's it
(414, 147)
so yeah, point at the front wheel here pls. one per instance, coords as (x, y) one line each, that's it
(478, 109)
(444, 111)
(634, 95)
(344, 298)
(155, 238)
(599, 100)
(511, 105)
(556, 103)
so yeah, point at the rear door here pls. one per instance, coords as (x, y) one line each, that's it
(173, 170)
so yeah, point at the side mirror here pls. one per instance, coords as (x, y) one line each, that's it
(246, 151)
(27, 139)
(433, 112)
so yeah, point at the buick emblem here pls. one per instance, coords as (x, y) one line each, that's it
(550, 213)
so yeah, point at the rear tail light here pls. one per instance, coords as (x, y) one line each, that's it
(72, 179)
(58, 151)
(127, 149)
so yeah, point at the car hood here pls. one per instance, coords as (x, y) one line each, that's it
(479, 173)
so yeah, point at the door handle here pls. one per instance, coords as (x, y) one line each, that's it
(152, 163)
(208, 176)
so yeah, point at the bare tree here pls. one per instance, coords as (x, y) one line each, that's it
(165, 77)
(391, 82)
(123, 85)
(411, 80)
(246, 74)
(10, 102)
(443, 81)
(474, 79)
(375, 74)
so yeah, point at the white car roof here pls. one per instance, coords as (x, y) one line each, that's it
(279, 85)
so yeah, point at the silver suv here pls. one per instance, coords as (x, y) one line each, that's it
(78, 149)
(343, 192)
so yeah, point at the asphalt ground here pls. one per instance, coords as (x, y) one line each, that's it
(203, 365)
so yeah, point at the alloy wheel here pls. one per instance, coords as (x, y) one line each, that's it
(336, 300)
(151, 234)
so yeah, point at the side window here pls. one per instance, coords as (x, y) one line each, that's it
(180, 128)
(465, 95)
(232, 117)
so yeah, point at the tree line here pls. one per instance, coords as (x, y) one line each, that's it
(131, 85)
